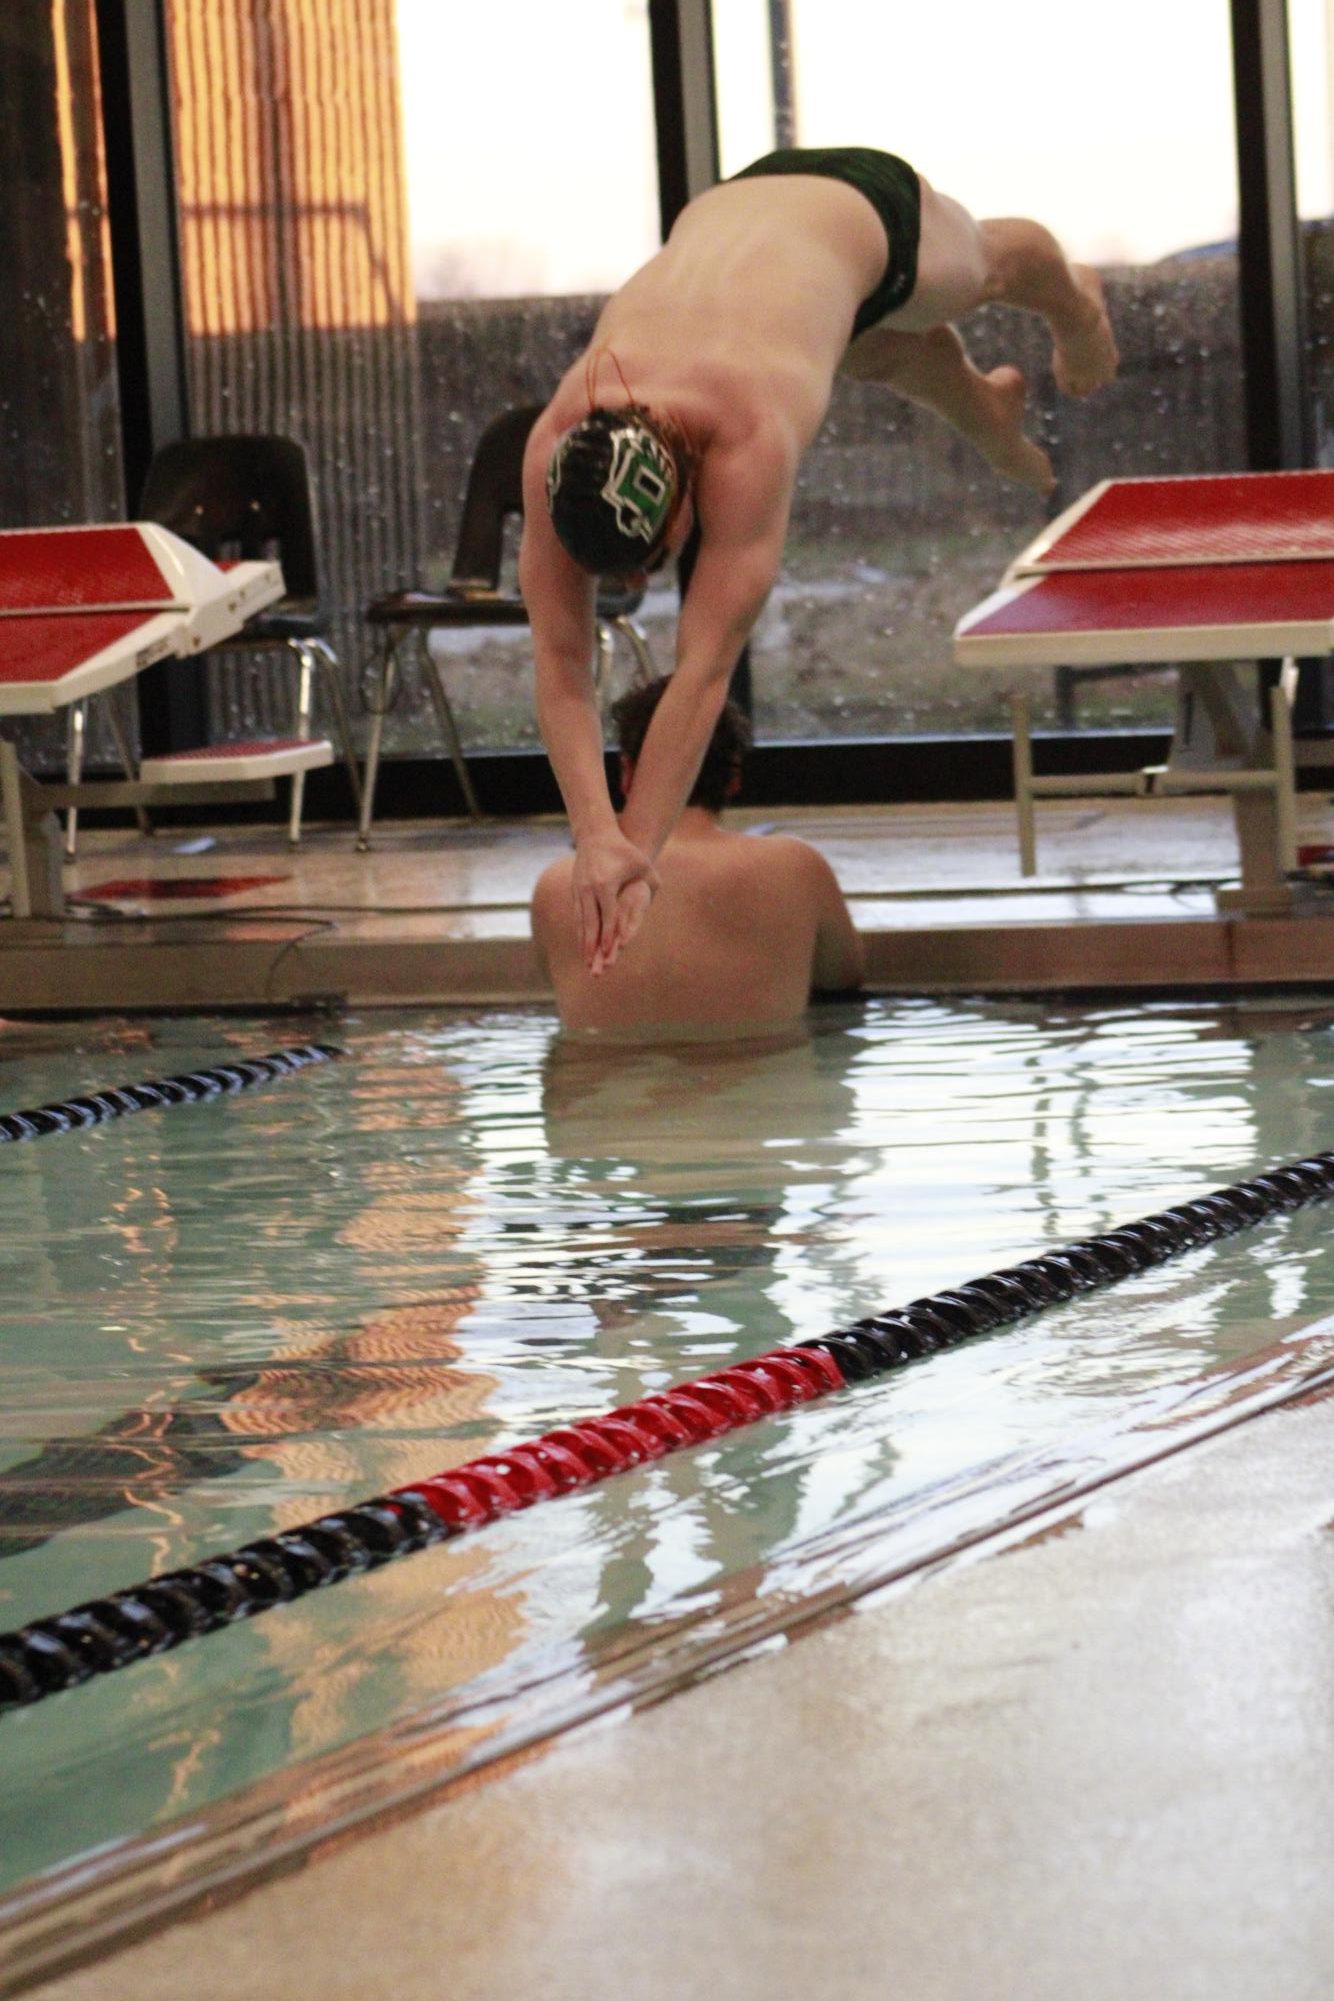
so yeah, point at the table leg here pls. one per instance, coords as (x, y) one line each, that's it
(34, 843)
(1281, 697)
(1222, 733)
(1023, 784)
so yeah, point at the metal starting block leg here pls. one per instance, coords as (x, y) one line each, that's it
(1218, 741)
(1022, 725)
(33, 834)
(34, 841)
(1216, 747)
(1027, 788)
(1281, 700)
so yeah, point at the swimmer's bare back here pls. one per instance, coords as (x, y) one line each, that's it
(743, 317)
(747, 306)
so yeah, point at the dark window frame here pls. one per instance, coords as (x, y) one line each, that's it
(150, 313)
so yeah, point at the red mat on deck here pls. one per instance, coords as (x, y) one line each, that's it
(162, 888)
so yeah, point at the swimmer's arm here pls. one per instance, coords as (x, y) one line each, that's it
(560, 598)
(561, 602)
(743, 511)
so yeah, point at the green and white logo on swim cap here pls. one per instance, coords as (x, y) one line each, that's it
(556, 465)
(613, 483)
(641, 482)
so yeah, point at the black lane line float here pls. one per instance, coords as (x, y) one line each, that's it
(187, 1089)
(57, 1653)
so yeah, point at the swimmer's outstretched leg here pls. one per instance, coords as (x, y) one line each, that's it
(933, 369)
(1027, 267)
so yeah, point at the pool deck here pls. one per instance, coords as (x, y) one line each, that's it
(1092, 1761)
(436, 912)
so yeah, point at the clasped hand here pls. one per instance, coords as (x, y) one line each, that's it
(614, 883)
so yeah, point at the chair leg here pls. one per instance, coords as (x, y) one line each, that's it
(639, 646)
(378, 711)
(1064, 687)
(126, 756)
(1281, 697)
(435, 681)
(328, 659)
(76, 731)
(305, 707)
(602, 660)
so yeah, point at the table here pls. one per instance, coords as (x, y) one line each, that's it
(83, 609)
(1196, 572)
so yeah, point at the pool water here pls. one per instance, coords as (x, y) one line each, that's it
(228, 1318)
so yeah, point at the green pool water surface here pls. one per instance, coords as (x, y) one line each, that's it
(228, 1318)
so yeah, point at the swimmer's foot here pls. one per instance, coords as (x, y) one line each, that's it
(1002, 443)
(1084, 357)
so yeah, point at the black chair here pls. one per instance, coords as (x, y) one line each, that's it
(473, 597)
(248, 498)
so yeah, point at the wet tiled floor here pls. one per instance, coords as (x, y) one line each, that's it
(438, 910)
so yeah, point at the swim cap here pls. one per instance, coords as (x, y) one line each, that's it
(613, 487)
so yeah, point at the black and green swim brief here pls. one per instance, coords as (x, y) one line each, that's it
(892, 188)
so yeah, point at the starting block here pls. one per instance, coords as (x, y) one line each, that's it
(1197, 573)
(83, 609)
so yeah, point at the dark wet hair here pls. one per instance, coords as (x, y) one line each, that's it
(615, 483)
(728, 745)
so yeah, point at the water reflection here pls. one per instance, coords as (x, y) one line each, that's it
(221, 1289)
(231, 1318)
(703, 1158)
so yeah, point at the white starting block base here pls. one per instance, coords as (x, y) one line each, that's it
(1214, 750)
(232, 772)
(228, 763)
(83, 609)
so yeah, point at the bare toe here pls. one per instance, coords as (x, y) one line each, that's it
(1006, 447)
(1085, 356)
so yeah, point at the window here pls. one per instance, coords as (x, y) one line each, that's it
(532, 200)
(59, 411)
(396, 220)
(1311, 50)
(898, 528)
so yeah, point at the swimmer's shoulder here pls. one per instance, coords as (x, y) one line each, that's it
(784, 861)
(551, 892)
(788, 851)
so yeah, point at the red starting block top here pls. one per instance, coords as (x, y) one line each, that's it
(1221, 566)
(41, 570)
(51, 659)
(137, 566)
(1278, 517)
(1208, 611)
(83, 608)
